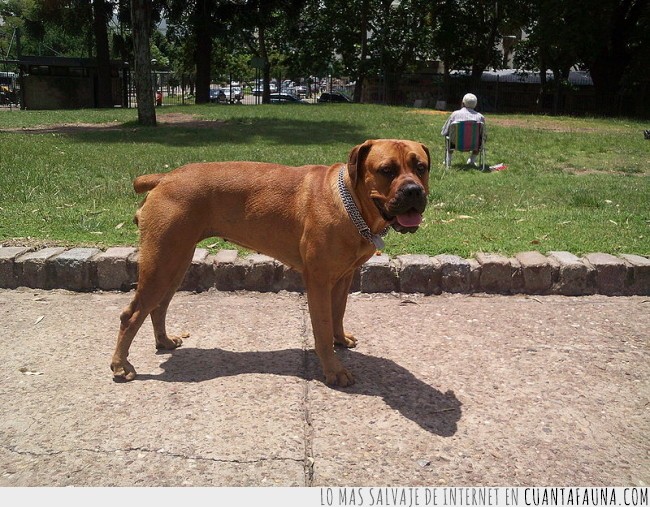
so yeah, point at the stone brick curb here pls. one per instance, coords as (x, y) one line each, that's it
(88, 269)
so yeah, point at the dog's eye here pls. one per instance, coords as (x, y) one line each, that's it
(421, 167)
(389, 171)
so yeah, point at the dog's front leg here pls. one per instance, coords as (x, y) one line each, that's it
(319, 298)
(339, 302)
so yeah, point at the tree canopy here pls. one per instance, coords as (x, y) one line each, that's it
(216, 39)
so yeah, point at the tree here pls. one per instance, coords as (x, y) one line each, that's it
(611, 42)
(263, 25)
(141, 29)
(398, 39)
(101, 12)
(13, 14)
(311, 39)
(551, 44)
(385, 39)
(466, 33)
(201, 21)
(55, 27)
(357, 38)
(182, 43)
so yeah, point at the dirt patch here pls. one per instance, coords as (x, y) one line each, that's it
(177, 119)
(188, 120)
(537, 123)
(588, 172)
(547, 125)
(65, 128)
(432, 112)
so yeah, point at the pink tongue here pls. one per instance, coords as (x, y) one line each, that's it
(410, 219)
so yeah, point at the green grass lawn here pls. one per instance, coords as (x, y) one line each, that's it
(580, 185)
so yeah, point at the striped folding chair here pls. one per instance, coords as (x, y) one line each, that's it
(465, 136)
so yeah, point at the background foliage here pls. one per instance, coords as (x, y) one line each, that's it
(215, 39)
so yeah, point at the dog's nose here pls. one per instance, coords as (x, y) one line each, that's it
(412, 191)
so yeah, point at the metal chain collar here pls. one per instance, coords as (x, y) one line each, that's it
(355, 215)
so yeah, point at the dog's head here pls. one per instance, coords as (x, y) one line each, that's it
(394, 175)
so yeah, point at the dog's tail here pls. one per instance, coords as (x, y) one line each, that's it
(146, 182)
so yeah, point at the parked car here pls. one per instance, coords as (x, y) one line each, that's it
(218, 96)
(233, 93)
(286, 98)
(333, 97)
(259, 89)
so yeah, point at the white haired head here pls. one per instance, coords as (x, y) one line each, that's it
(470, 100)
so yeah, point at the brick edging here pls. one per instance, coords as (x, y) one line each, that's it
(88, 269)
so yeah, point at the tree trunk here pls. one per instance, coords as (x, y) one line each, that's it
(104, 88)
(141, 21)
(446, 79)
(203, 56)
(266, 70)
(609, 62)
(361, 75)
(542, 84)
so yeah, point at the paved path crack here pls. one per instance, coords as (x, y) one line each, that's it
(306, 401)
(162, 452)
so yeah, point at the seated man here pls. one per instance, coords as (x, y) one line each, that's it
(467, 112)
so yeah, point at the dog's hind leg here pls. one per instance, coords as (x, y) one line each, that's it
(130, 321)
(159, 314)
(159, 276)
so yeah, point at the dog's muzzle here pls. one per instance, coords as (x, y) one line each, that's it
(404, 211)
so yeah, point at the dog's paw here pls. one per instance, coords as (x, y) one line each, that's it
(348, 341)
(340, 377)
(170, 342)
(123, 372)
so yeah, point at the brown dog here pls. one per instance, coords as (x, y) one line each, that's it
(303, 216)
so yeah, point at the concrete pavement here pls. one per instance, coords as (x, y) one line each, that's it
(451, 390)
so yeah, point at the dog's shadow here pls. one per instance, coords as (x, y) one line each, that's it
(433, 410)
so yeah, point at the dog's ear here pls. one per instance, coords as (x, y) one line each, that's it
(356, 159)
